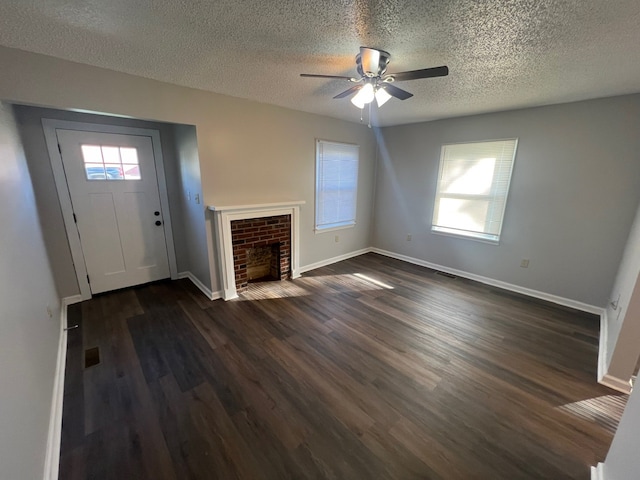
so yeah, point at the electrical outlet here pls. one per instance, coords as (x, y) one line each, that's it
(524, 263)
(337, 238)
(409, 237)
(197, 198)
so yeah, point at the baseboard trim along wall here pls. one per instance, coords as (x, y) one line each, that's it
(597, 472)
(615, 383)
(339, 258)
(604, 377)
(602, 345)
(567, 302)
(66, 301)
(201, 286)
(52, 456)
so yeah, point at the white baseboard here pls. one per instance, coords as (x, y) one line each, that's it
(66, 301)
(52, 456)
(604, 377)
(597, 472)
(616, 383)
(201, 286)
(337, 259)
(602, 346)
(567, 302)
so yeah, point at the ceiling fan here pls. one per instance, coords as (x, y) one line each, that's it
(374, 82)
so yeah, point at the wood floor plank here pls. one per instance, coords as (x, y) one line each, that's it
(190, 455)
(367, 368)
(263, 400)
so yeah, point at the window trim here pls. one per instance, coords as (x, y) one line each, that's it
(459, 233)
(341, 225)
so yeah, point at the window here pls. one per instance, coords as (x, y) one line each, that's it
(336, 184)
(102, 162)
(473, 183)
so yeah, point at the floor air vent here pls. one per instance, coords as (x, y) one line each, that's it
(91, 357)
(445, 274)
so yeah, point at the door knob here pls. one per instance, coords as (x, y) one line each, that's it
(158, 222)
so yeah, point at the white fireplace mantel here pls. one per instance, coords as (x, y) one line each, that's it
(225, 214)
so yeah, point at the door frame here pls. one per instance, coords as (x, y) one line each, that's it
(50, 126)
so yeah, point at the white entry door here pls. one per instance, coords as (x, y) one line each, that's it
(113, 186)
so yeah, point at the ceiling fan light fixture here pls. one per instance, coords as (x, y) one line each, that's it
(375, 83)
(382, 96)
(364, 96)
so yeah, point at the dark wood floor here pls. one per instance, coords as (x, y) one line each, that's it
(367, 369)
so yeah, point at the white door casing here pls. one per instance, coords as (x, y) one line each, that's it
(116, 241)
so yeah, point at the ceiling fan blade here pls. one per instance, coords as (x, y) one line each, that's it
(370, 60)
(313, 75)
(348, 92)
(417, 74)
(397, 92)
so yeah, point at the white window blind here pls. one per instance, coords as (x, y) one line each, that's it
(336, 184)
(473, 184)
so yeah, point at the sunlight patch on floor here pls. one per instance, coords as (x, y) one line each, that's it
(346, 282)
(350, 282)
(373, 280)
(271, 290)
(605, 410)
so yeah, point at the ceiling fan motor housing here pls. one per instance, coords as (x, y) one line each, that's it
(371, 62)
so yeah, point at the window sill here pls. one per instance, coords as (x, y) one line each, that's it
(452, 233)
(333, 229)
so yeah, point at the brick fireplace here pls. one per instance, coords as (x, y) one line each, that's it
(261, 249)
(261, 230)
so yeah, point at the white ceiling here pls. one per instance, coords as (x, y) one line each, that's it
(501, 54)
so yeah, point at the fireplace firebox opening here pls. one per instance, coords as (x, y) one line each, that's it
(261, 249)
(263, 263)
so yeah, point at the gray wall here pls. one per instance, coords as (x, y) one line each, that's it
(31, 131)
(29, 337)
(622, 461)
(573, 196)
(193, 211)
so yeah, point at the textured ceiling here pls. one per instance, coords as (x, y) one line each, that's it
(501, 54)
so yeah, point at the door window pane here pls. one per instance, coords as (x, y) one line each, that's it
(103, 162)
(129, 155)
(111, 154)
(131, 172)
(114, 171)
(91, 154)
(94, 171)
